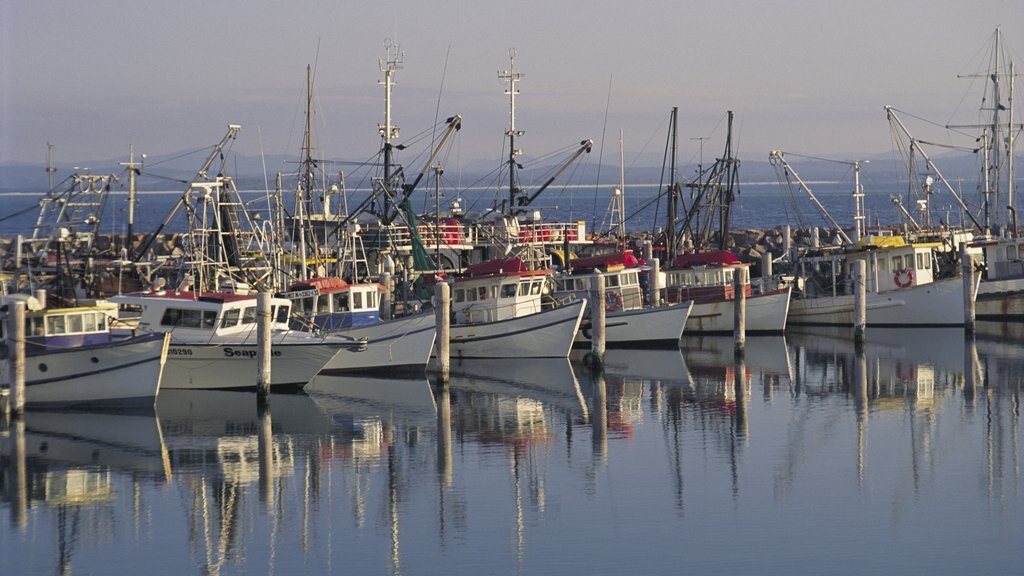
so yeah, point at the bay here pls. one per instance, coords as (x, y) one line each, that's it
(801, 458)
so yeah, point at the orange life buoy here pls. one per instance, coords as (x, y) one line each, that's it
(903, 277)
(612, 301)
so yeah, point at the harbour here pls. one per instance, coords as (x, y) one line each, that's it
(227, 361)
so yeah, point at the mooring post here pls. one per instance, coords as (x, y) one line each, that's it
(967, 271)
(860, 302)
(385, 298)
(815, 238)
(16, 347)
(655, 283)
(766, 270)
(787, 242)
(739, 307)
(263, 348)
(442, 311)
(597, 320)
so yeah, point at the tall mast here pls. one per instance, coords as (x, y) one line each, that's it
(133, 170)
(50, 168)
(392, 61)
(512, 77)
(673, 190)
(620, 200)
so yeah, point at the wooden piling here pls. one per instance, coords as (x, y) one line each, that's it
(263, 348)
(16, 348)
(967, 271)
(739, 306)
(597, 320)
(442, 311)
(860, 302)
(655, 283)
(766, 271)
(385, 298)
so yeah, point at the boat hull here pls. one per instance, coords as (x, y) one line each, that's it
(401, 346)
(1000, 300)
(765, 314)
(225, 366)
(546, 334)
(125, 372)
(939, 303)
(643, 328)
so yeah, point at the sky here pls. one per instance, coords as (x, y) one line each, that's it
(807, 76)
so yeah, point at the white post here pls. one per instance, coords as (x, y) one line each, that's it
(385, 299)
(766, 270)
(263, 348)
(597, 319)
(655, 284)
(967, 271)
(16, 346)
(442, 311)
(739, 325)
(860, 307)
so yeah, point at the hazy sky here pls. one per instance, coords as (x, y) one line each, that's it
(803, 76)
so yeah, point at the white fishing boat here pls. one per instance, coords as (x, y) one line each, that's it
(498, 313)
(628, 323)
(400, 346)
(213, 342)
(707, 278)
(71, 358)
(901, 288)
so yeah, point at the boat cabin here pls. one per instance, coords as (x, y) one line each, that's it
(1004, 258)
(199, 314)
(331, 304)
(622, 280)
(892, 264)
(64, 327)
(497, 290)
(703, 277)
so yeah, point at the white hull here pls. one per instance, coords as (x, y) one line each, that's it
(547, 334)
(765, 313)
(226, 366)
(939, 303)
(127, 371)
(1000, 300)
(403, 345)
(646, 327)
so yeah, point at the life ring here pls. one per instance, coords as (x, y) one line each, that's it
(903, 277)
(612, 301)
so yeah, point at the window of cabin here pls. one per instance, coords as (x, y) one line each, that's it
(470, 295)
(323, 304)
(524, 289)
(920, 261)
(74, 323)
(34, 327)
(460, 295)
(249, 315)
(101, 321)
(371, 300)
(209, 319)
(1020, 249)
(494, 291)
(508, 290)
(897, 263)
(535, 287)
(230, 318)
(89, 321)
(481, 292)
(1011, 252)
(172, 317)
(357, 300)
(305, 305)
(881, 264)
(341, 302)
(908, 261)
(632, 278)
(611, 280)
(282, 314)
(191, 318)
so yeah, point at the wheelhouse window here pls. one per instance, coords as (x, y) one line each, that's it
(282, 314)
(323, 304)
(920, 261)
(611, 280)
(249, 315)
(305, 305)
(340, 301)
(1011, 252)
(357, 300)
(535, 287)
(508, 290)
(460, 295)
(74, 323)
(230, 318)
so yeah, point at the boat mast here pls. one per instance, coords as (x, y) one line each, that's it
(392, 61)
(673, 190)
(133, 170)
(620, 197)
(512, 77)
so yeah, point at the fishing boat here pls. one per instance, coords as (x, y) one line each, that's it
(902, 289)
(498, 313)
(72, 359)
(707, 278)
(213, 339)
(628, 322)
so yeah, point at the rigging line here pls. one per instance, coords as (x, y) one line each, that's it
(440, 91)
(600, 153)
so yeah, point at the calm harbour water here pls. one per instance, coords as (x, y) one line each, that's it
(813, 461)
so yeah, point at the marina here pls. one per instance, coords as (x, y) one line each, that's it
(419, 362)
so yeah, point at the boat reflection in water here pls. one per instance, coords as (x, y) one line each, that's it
(75, 473)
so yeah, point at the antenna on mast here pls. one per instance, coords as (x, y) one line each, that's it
(50, 168)
(512, 77)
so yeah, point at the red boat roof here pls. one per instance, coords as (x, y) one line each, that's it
(500, 266)
(326, 284)
(218, 297)
(625, 259)
(713, 258)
